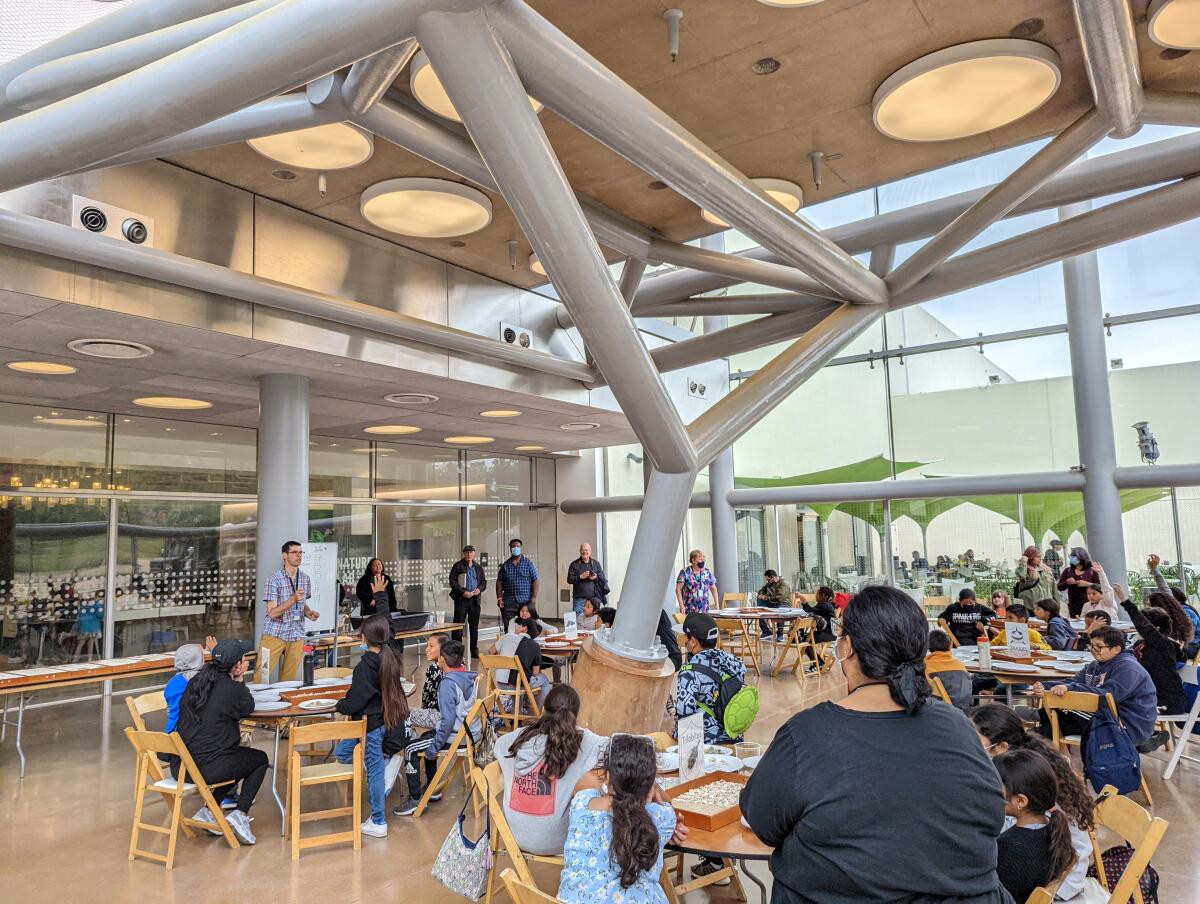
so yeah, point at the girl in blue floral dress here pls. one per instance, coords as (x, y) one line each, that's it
(615, 835)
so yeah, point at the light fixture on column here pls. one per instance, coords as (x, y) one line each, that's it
(787, 195)
(535, 264)
(1174, 23)
(428, 208)
(428, 90)
(966, 89)
(337, 145)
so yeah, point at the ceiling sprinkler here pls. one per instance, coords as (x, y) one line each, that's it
(1147, 444)
(673, 16)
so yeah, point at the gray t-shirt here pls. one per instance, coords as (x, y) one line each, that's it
(536, 805)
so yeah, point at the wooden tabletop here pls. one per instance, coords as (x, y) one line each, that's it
(294, 696)
(69, 674)
(733, 840)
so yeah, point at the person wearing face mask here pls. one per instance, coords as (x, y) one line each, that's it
(1076, 578)
(695, 587)
(516, 583)
(904, 840)
(966, 619)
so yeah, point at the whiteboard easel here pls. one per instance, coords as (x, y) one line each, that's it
(320, 564)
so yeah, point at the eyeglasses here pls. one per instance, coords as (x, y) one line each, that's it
(1099, 648)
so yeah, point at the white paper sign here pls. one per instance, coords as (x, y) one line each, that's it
(320, 564)
(690, 733)
(1017, 634)
(571, 625)
(264, 666)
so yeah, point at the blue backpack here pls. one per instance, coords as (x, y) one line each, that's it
(1109, 756)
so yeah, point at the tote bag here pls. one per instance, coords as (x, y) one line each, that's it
(462, 864)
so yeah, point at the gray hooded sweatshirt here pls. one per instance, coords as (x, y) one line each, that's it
(536, 806)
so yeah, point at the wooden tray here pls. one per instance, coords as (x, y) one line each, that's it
(708, 822)
(295, 695)
(1034, 655)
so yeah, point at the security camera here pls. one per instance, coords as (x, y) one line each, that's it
(134, 230)
(1147, 444)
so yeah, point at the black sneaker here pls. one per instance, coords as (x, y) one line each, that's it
(1155, 741)
(407, 809)
(707, 868)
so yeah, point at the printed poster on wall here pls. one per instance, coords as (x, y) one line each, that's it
(690, 732)
(1018, 639)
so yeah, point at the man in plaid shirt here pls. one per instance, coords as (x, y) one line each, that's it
(516, 583)
(283, 627)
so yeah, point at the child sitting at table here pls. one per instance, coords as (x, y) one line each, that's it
(1092, 620)
(377, 695)
(607, 616)
(1037, 849)
(615, 834)
(1018, 613)
(521, 641)
(426, 718)
(590, 619)
(456, 696)
(528, 613)
(942, 664)
(1059, 633)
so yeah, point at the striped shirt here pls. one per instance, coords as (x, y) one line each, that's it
(289, 625)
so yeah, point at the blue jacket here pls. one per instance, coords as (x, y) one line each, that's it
(1131, 687)
(456, 696)
(1059, 634)
(174, 693)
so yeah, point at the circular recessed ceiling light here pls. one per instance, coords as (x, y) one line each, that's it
(531, 448)
(535, 264)
(411, 398)
(429, 208)
(578, 426)
(787, 195)
(1174, 23)
(427, 88)
(110, 348)
(175, 403)
(393, 429)
(500, 412)
(335, 146)
(469, 440)
(46, 368)
(966, 89)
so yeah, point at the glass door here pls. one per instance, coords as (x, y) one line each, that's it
(490, 528)
(418, 544)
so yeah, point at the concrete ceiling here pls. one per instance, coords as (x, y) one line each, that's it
(833, 56)
(347, 395)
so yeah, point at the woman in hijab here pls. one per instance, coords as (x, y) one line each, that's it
(1035, 579)
(375, 591)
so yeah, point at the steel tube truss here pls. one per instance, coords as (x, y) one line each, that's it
(561, 75)
(779, 303)
(43, 237)
(1111, 56)
(369, 79)
(1171, 108)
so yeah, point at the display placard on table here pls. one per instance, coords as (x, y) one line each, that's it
(1017, 634)
(570, 626)
(690, 734)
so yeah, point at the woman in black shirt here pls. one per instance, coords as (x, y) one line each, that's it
(848, 793)
(375, 591)
(210, 715)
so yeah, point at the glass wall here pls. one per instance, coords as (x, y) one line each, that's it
(163, 456)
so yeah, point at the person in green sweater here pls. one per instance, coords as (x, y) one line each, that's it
(774, 594)
(1035, 579)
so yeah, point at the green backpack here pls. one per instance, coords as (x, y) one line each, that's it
(735, 703)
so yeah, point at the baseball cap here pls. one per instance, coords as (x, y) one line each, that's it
(227, 653)
(701, 626)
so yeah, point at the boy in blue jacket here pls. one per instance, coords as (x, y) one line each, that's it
(456, 696)
(1114, 671)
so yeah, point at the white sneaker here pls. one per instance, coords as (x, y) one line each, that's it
(240, 823)
(391, 772)
(205, 816)
(373, 829)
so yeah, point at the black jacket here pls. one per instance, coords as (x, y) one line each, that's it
(827, 611)
(364, 699)
(458, 576)
(1159, 656)
(367, 598)
(217, 732)
(590, 588)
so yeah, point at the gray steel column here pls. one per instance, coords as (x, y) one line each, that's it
(282, 475)
(724, 524)
(889, 555)
(651, 562)
(1093, 406)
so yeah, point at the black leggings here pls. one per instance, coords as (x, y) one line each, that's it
(246, 765)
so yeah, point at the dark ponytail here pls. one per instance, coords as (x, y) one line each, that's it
(198, 691)
(1028, 772)
(631, 768)
(557, 724)
(890, 636)
(377, 631)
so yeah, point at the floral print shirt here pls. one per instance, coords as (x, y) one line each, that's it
(696, 588)
(589, 874)
(429, 692)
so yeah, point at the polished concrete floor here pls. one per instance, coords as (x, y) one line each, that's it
(64, 829)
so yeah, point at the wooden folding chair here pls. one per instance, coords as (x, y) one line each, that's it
(1136, 828)
(139, 707)
(940, 689)
(489, 783)
(522, 892)
(735, 600)
(333, 671)
(1080, 702)
(459, 756)
(735, 637)
(799, 639)
(148, 745)
(301, 776)
(519, 694)
(1040, 896)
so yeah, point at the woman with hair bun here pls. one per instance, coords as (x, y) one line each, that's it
(878, 824)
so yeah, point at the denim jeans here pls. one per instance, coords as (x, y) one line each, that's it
(374, 762)
(577, 605)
